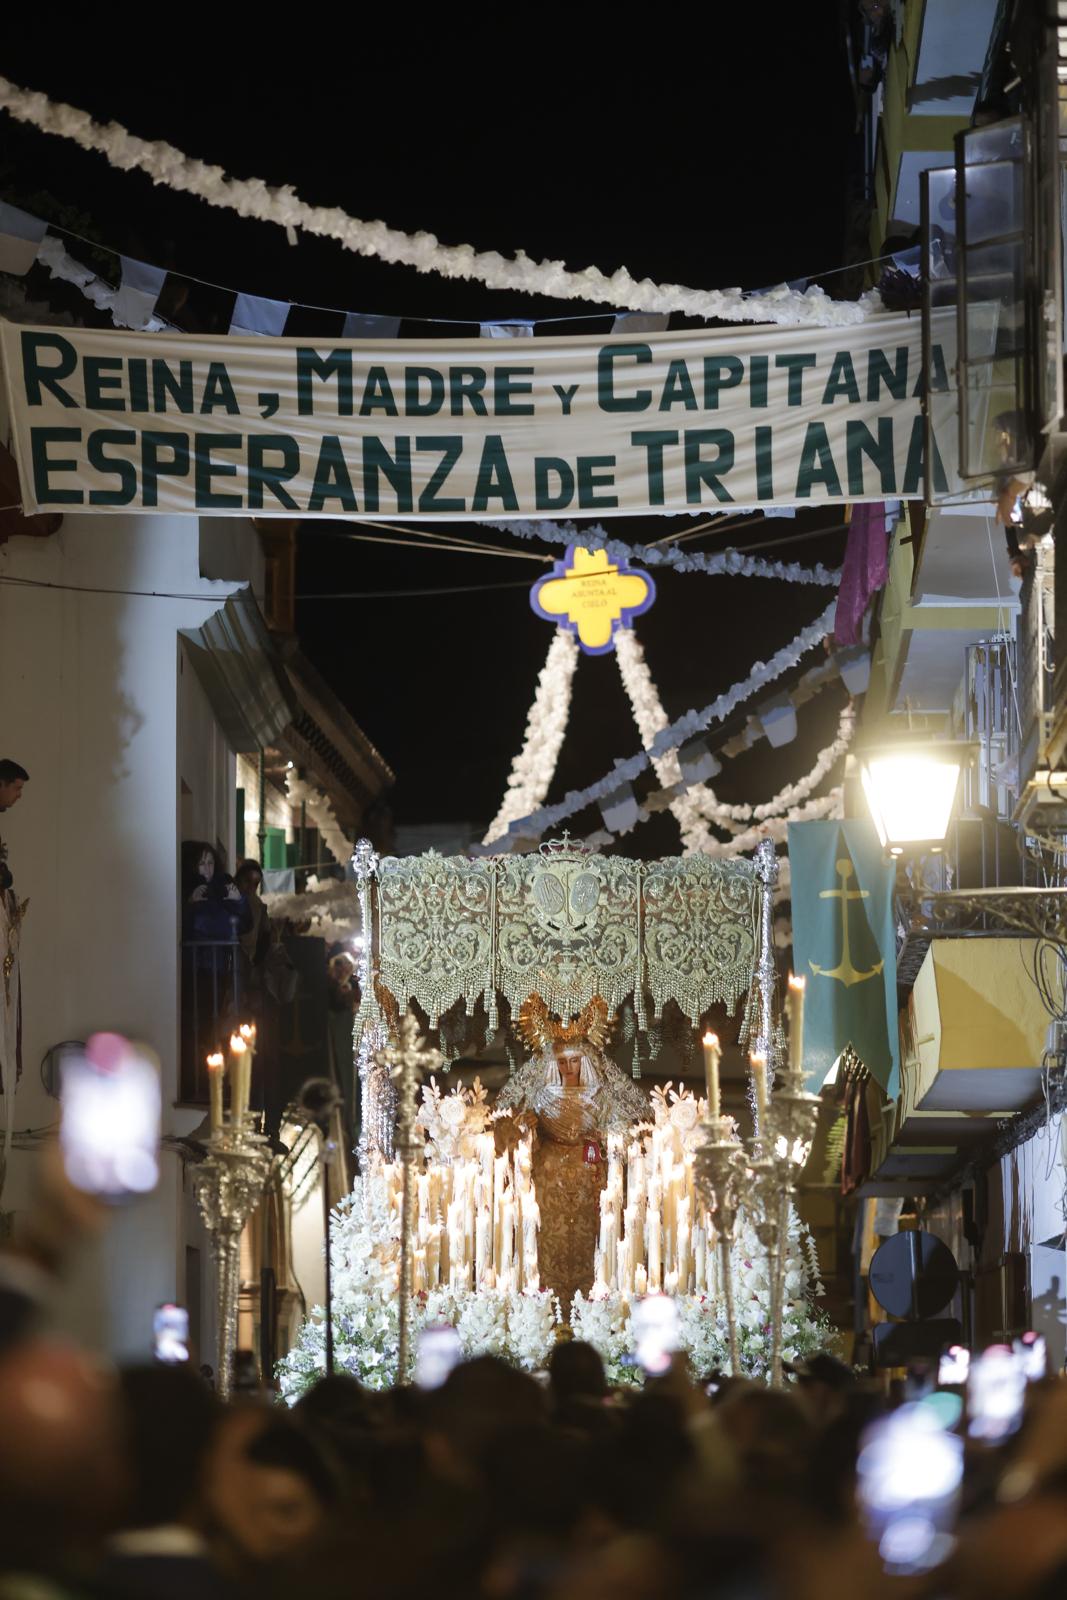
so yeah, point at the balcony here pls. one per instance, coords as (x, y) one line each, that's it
(214, 983)
(941, 896)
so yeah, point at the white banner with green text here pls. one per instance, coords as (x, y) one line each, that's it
(697, 420)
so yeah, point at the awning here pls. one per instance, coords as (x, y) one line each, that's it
(979, 1029)
(242, 673)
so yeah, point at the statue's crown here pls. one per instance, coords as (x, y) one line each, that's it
(540, 1028)
(564, 846)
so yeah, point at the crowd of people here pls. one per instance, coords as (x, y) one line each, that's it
(140, 1483)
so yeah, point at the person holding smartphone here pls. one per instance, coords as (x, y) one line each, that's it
(107, 1151)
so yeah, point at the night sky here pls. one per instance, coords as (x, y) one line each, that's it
(711, 155)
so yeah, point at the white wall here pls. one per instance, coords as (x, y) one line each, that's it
(207, 767)
(89, 692)
(309, 1257)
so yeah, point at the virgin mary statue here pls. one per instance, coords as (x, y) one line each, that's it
(569, 1097)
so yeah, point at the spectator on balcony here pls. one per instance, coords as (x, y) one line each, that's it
(255, 941)
(215, 910)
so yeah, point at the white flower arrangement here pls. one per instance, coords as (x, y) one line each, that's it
(677, 1114)
(452, 1122)
(534, 1320)
(519, 1327)
(522, 1326)
(603, 1320)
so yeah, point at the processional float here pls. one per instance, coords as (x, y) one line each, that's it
(456, 946)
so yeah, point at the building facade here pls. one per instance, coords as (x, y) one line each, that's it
(139, 680)
(965, 107)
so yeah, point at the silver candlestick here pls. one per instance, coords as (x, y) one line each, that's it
(406, 1061)
(792, 1117)
(229, 1184)
(377, 1094)
(718, 1168)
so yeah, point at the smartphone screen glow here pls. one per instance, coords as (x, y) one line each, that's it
(439, 1351)
(109, 1130)
(654, 1320)
(170, 1330)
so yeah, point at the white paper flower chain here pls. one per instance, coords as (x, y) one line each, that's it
(699, 803)
(776, 828)
(252, 197)
(719, 812)
(718, 563)
(694, 806)
(686, 727)
(324, 817)
(651, 720)
(104, 296)
(533, 768)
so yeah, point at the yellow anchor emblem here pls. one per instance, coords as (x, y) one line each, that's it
(845, 972)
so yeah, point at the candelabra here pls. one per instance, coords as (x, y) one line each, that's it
(377, 1094)
(719, 1166)
(405, 1062)
(791, 1118)
(229, 1183)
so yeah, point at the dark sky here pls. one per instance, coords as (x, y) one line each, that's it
(713, 153)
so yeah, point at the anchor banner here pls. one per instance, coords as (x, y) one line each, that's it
(461, 428)
(844, 944)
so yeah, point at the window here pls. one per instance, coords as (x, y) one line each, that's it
(995, 426)
(940, 357)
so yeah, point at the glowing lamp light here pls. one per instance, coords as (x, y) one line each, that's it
(911, 792)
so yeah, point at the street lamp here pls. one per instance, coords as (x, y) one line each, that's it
(911, 789)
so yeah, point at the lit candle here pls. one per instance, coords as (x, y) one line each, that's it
(677, 1195)
(531, 1219)
(433, 1255)
(241, 1082)
(216, 1072)
(622, 1250)
(796, 1025)
(758, 1063)
(682, 1256)
(481, 1247)
(654, 1228)
(712, 1055)
(453, 1239)
(640, 1280)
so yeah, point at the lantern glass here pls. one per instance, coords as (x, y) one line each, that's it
(911, 794)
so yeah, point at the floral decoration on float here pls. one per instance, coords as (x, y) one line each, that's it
(476, 1263)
